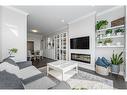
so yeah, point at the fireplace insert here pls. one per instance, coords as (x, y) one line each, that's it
(86, 58)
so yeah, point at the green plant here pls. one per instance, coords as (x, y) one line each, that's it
(117, 58)
(100, 42)
(12, 51)
(101, 24)
(119, 30)
(108, 40)
(109, 31)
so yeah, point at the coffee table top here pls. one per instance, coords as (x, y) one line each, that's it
(62, 64)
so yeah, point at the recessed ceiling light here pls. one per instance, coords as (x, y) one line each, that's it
(62, 20)
(34, 31)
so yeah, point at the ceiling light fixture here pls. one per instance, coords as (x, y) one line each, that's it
(34, 31)
(62, 20)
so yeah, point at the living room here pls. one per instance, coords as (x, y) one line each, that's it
(67, 36)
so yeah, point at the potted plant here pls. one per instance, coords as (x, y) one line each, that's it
(12, 52)
(101, 24)
(119, 31)
(109, 32)
(116, 60)
(100, 43)
(108, 42)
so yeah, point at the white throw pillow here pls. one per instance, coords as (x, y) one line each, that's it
(9, 68)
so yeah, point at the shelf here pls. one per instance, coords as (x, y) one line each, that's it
(58, 75)
(112, 46)
(111, 28)
(61, 45)
(119, 36)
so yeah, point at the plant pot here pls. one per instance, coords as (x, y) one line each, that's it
(100, 44)
(108, 35)
(119, 33)
(115, 69)
(108, 44)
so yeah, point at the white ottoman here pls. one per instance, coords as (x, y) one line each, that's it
(102, 70)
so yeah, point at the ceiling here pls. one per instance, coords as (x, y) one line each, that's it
(47, 19)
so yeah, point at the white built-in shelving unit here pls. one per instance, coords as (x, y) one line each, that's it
(61, 46)
(101, 36)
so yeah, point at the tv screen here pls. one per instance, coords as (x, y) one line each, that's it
(80, 43)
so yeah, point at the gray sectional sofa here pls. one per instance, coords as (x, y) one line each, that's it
(23, 75)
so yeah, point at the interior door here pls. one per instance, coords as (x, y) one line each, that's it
(30, 46)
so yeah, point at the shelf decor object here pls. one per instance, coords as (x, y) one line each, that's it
(100, 43)
(119, 31)
(118, 22)
(116, 60)
(101, 24)
(109, 32)
(108, 41)
(115, 34)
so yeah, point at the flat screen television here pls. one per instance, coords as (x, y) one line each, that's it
(80, 43)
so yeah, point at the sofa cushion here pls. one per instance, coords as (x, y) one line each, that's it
(28, 72)
(10, 81)
(32, 78)
(9, 68)
(41, 83)
(24, 64)
(11, 61)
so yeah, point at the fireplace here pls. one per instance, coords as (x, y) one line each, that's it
(86, 58)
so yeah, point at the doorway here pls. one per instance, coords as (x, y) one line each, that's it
(30, 46)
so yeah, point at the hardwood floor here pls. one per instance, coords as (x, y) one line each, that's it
(41, 63)
(118, 81)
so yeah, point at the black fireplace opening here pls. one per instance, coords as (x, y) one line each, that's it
(86, 58)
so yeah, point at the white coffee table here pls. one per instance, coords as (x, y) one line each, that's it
(62, 70)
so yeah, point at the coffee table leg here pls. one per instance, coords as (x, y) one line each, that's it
(47, 70)
(62, 76)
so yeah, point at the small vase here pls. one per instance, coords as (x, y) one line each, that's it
(100, 44)
(108, 35)
(108, 44)
(119, 33)
(115, 69)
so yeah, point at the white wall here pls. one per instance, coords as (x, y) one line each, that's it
(14, 32)
(0, 35)
(84, 27)
(110, 15)
(126, 50)
(36, 38)
(49, 53)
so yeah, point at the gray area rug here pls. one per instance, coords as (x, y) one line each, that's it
(85, 80)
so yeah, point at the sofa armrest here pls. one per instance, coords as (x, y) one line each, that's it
(24, 64)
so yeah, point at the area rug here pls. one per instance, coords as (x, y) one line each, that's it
(84, 80)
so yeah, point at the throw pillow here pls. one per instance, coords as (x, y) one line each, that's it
(9, 68)
(100, 62)
(105, 61)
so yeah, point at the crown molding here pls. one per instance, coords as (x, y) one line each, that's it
(16, 10)
(109, 10)
(83, 17)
